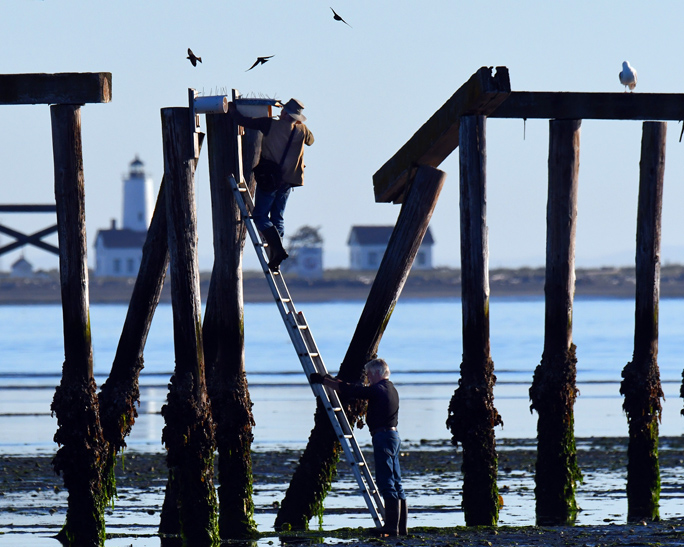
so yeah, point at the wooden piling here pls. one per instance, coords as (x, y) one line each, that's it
(553, 390)
(75, 403)
(189, 430)
(641, 384)
(224, 340)
(472, 415)
(317, 465)
(120, 394)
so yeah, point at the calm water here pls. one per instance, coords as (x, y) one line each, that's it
(422, 344)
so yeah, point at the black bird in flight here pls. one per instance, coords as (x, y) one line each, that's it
(259, 61)
(338, 18)
(193, 58)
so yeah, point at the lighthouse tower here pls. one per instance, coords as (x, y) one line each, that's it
(119, 250)
(137, 202)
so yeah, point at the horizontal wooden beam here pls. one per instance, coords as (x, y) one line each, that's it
(28, 208)
(588, 106)
(61, 88)
(438, 137)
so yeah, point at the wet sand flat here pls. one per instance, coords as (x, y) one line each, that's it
(33, 501)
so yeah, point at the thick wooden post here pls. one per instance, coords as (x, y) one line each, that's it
(317, 465)
(120, 394)
(472, 415)
(641, 385)
(189, 431)
(75, 403)
(553, 390)
(224, 340)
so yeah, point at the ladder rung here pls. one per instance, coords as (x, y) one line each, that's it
(304, 343)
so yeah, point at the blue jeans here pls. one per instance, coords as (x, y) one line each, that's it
(269, 209)
(386, 446)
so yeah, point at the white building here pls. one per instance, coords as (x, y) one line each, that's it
(307, 262)
(22, 269)
(118, 252)
(367, 246)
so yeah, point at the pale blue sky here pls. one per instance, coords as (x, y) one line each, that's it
(366, 89)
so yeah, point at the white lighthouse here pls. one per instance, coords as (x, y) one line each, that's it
(137, 202)
(118, 251)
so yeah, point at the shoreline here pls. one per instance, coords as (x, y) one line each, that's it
(347, 285)
(32, 500)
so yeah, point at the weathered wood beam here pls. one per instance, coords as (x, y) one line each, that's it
(189, 430)
(554, 390)
(79, 435)
(61, 88)
(641, 384)
(472, 416)
(438, 137)
(224, 333)
(313, 477)
(28, 208)
(32, 239)
(587, 106)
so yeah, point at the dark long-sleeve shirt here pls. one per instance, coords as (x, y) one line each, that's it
(383, 402)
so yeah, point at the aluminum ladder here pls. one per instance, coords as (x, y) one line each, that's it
(310, 358)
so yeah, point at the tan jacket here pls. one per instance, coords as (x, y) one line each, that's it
(274, 143)
(276, 134)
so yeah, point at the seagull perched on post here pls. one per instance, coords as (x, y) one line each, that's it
(628, 76)
(259, 61)
(193, 58)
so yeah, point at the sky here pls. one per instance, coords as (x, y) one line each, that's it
(366, 88)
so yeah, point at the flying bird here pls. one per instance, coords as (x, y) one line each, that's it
(193, 58)
(628, 76)
(338, 18)
(259, 61)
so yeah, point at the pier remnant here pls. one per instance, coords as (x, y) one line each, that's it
(224, 337)
(438, 137)
(189, 430)
(553, 391)
(120, 394)
(75, 88)
(316, 469)
(472, 415)
(35, 239)
(75, 403)
(641, 377)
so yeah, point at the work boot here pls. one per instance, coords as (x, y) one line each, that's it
(403, 518)
(275, 250)
(391, 526)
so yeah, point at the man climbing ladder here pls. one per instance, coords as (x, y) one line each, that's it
(307, 351)
(280, 169)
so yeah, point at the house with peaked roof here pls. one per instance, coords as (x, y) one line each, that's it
(367, 246)
(22, 268)
(118, 251)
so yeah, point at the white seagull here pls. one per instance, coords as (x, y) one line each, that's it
(628, 76)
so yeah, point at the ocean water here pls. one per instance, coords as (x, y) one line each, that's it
(422, 344)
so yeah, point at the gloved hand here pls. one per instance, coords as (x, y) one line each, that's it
(317, 378)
